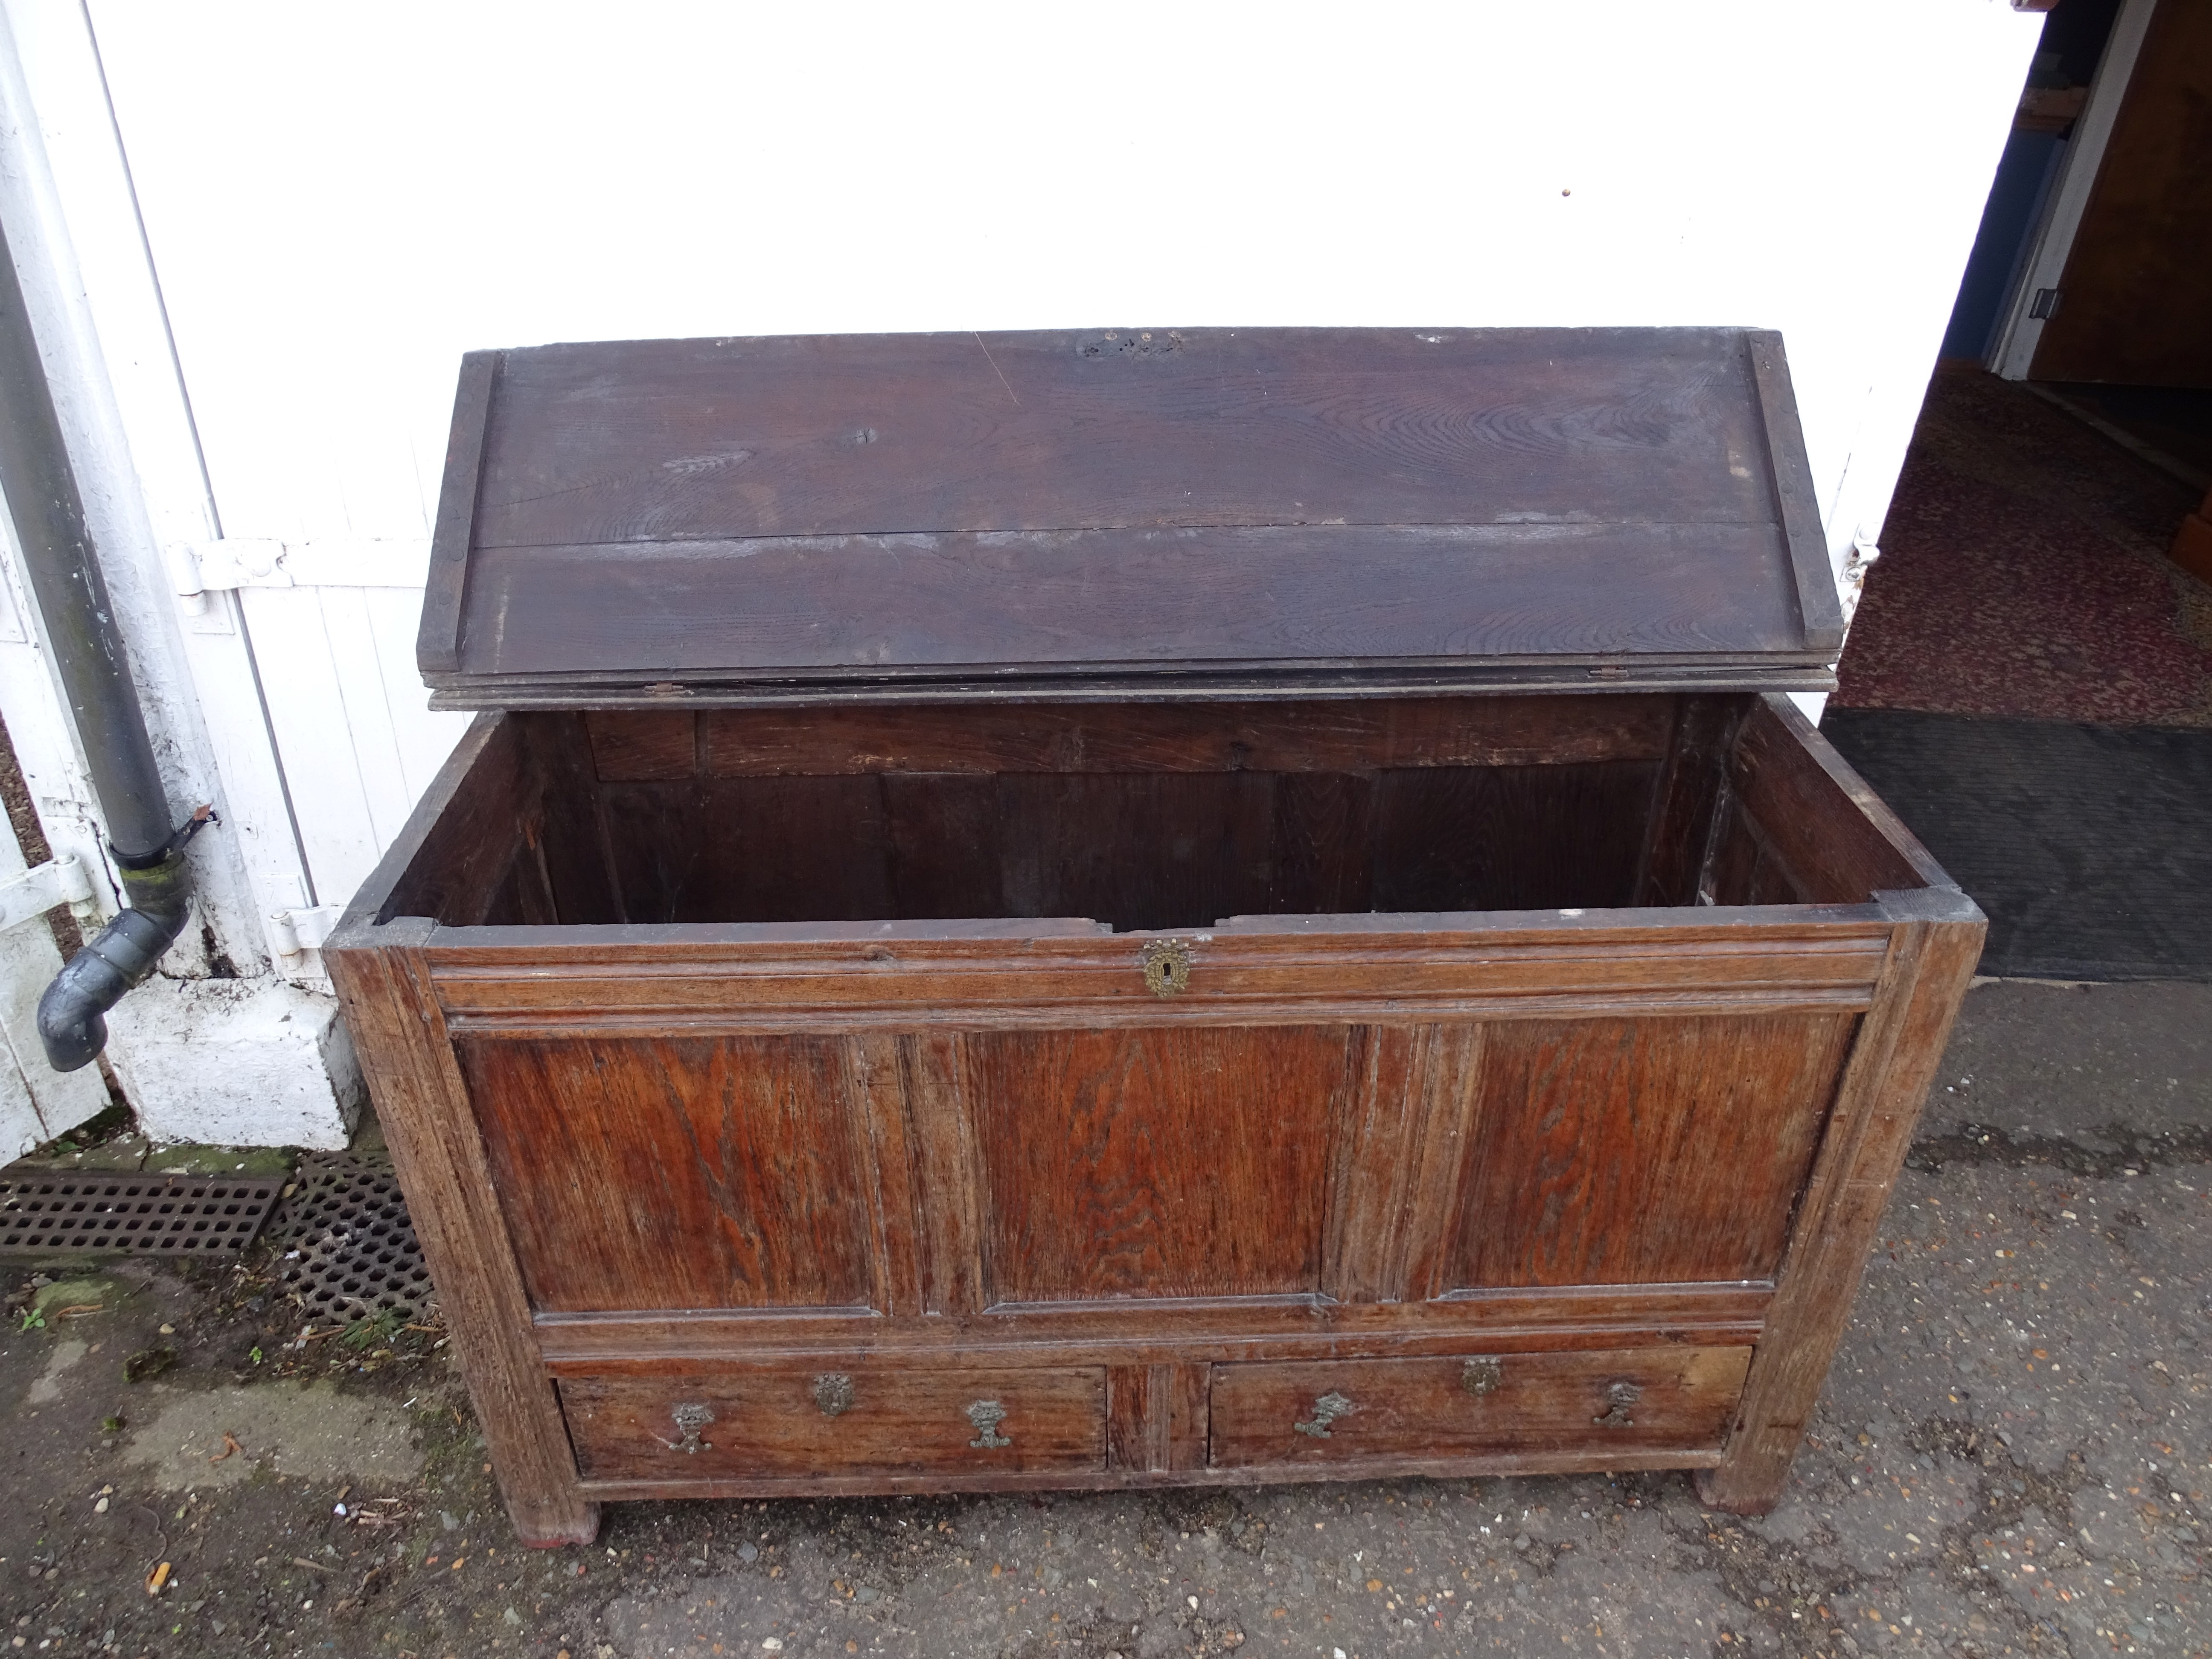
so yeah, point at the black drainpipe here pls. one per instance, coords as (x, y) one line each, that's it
(96, 675)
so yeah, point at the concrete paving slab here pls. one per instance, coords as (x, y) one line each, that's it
(221, 1437)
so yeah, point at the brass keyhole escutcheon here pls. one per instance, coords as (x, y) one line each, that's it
(1166, 962)
(689, 1418)
(987, 1415)
(833, 1392)
(1619, 1398)
(1325, 1410)
(1482, 1375)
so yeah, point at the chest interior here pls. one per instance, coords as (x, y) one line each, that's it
(1140, 816)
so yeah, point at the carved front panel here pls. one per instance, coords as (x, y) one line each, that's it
(1162, 1161)
(638, 1173)
(1665, 1149)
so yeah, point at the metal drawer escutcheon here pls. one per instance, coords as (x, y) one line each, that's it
(987, 1415)
(833, 1392)
(1482, 1375)
(1618, 1397)
(1166, 962)
(689, 1418)
(1326, 1409)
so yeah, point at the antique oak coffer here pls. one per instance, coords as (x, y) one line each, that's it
(1112, 909)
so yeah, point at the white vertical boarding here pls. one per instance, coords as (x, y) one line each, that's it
(333, 627)
(425, 737)
(245, 1059)
(83, 257)
(36, 1102)
(351, 718)
(308, 716)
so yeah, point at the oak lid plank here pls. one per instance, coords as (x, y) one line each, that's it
(869, 434)
(831, 512)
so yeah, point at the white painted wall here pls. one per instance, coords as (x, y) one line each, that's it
(179, 1046)
(339, 202)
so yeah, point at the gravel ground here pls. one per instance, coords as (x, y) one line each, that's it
(2011, 1457)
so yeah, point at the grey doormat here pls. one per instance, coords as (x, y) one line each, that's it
(2090, 847)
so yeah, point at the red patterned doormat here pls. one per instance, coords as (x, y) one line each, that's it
(2023, 573)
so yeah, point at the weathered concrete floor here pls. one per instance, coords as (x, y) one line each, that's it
(2011, 1457)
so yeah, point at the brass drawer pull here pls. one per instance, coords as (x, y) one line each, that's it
(833, 1392)
(1166, 962)
(1326, 1409)
(689, 1418)
(987, 1415)
(1482, 1376)
(1618, 1397)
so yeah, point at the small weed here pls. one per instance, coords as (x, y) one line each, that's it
(104, 1128)
(255, 1356)
(34, 1319)
(365, 1334)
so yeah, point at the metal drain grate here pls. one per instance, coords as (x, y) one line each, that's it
(48, 1213)
(356, 1257)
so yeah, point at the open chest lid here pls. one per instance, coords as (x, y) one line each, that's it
(1123, 514)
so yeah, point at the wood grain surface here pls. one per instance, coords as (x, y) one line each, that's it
(1135, 850)
(437, 646)
(847, 607)
(953, 976)
(867, 434)
(1424, 1407)
(841, 509)
(1290, 736)
(1623, 1152)
(1394, 1173)
(484, 813)
(1153, 817)
(714, 1173)
(1155, 1331)
(1580, 1460)
(1178, 1162)
(763, 1424)
(1818, 818)
(1937, 941)
(453, 1200)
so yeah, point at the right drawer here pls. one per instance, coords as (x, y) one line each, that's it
(1674, 1399)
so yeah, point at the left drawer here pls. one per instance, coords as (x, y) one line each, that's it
(834, 1420)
